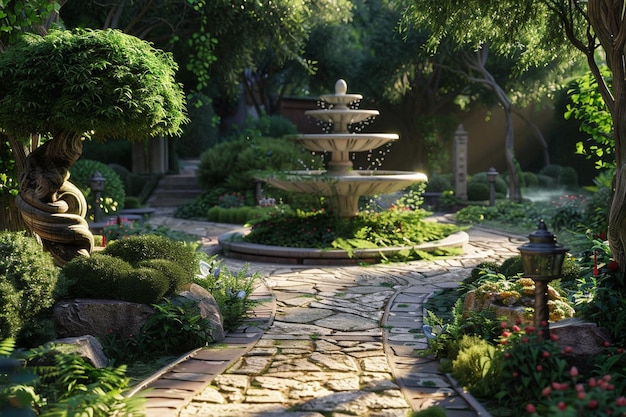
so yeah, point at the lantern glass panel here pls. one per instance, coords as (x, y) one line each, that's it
(542, 265)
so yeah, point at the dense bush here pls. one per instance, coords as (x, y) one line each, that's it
(438, 183)
(477, 191)
(140, 269)
(143, 285)
(175, 274)
(563, 177)
(111, 198)
(97, 276)
(28, 278)
(530, 179)
(262, 146)
(135, 249)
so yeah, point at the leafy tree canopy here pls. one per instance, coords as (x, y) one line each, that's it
(102, 83)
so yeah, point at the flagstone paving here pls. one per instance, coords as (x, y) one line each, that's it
(326, 341)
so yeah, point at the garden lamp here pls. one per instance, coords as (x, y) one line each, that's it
(96, 183)
(492, 174)
(542, 259)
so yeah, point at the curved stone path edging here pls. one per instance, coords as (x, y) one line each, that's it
(328, 341)
(233, 247)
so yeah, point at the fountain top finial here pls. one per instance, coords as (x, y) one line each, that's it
(341, 87)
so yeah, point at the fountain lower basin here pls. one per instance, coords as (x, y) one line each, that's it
(345, 190)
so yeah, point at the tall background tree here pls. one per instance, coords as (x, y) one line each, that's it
(517, 64)
(594, 27)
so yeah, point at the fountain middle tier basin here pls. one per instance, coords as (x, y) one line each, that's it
(345, 142)
(344, 190)
(341, 118)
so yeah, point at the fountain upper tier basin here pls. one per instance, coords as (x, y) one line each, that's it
(345, 142)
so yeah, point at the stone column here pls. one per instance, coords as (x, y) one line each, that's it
(150, 156)
(460, 163)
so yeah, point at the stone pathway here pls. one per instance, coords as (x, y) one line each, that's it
(326, 341)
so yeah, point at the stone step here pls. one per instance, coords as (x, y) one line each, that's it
(174, 190)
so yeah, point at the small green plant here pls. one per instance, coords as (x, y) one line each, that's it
(51, 383)
(474, 367)
(231, 291)
(119, 229)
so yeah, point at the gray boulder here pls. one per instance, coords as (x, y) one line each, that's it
(99, 317)
(209, 309)
(86, 347)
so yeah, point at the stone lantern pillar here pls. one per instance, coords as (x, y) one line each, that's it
(460, 163)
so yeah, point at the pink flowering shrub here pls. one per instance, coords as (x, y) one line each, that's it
(529, 362)
(595, 397)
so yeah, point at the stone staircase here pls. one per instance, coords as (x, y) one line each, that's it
(175, 190)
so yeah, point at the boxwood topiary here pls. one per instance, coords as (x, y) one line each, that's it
(97, 276)
(176, 275)
(28, 278)
(135, 249)
(144, 285)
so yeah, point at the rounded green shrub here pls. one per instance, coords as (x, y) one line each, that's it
(568, 178)
(438, 183)
(111, 198)
(176, 275)
(137, 248)
(144, 285)
(512, 266)
(28, 278)
(545, 181)
(477, 191)
(97, 276)
(530, 179)
(472, 366)
(233, 165)
(571, 270)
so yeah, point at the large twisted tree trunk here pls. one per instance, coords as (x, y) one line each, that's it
(53, 208)
(609, 26)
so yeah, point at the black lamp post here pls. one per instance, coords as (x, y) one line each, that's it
(96, 183)
(542, 259)
(492, 174)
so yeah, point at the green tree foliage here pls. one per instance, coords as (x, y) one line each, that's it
(528, 58)
(588, 106)
(104, 82)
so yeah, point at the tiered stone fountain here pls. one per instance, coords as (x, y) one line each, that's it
(340, 182)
